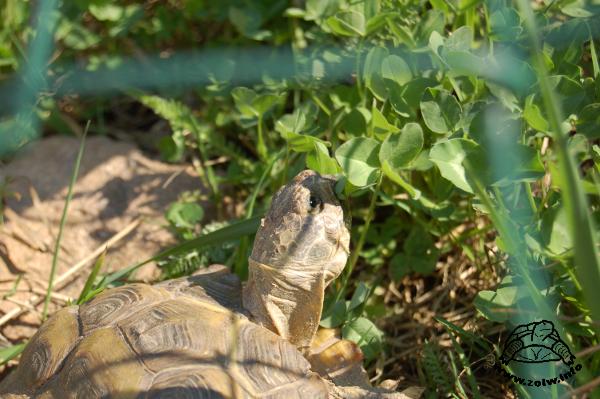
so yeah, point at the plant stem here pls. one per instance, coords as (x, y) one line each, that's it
(241, 260)
(63, 220)
(361, 240)
(359, 85)
(262, 149)
(211, 179)
(530, 198)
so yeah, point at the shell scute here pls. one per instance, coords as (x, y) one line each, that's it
(178, 332)
(196, 382)
(266, 361)
(215, 284)
(117, 303)
(101, 366)
(48, 348)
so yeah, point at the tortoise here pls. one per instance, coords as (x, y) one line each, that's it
(207, 335)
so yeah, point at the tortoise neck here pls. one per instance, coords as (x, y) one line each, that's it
(286, 302)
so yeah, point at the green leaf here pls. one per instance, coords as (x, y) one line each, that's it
(419, 254)
(448, 155)
(75, 35)
(505, 24)
(498, 132)
(569, 92)
(378, 21)
(394, 176)
(185, 214)
(589, 120)
(402, 33)
(522, 163)
(334, 316)
(366, 335)
(533, 115)
(396, 69)
(441, 111)
(397, 99)
(400, 149)
(434, 21)
(320, 161)
(460, 40)
(171, 110)
(359, 297)
(248, 21)
(414, 90)
(178, 115)
(251, 104)
(380, 127)
(498, 305)
(436, 42)
(318, 9)
(130, 15)
(348, 23)
(243, 98)
(581, 9)
(291, 123)
(372, 71)
(294, 12)
(355, 123)
(172, 148)
(106, 12)
(463, 63)
(264, 102)
(555, 231)
(359, 160)
(289, 127)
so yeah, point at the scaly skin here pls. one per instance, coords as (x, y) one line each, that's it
(299, 249)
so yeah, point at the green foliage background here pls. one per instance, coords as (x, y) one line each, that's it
(438, 114)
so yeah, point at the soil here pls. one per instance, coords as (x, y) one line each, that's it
(117, 185)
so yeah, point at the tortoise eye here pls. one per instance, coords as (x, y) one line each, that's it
(315, 204)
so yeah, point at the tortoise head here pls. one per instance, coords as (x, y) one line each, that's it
(305, 229)
(300, 247)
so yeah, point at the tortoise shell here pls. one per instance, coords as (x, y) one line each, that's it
(188, 337)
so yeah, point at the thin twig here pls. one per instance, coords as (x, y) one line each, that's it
(35, 300)
(98, 251)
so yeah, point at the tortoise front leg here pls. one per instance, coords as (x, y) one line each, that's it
(340, 362)
(337, 392)
(337, 359)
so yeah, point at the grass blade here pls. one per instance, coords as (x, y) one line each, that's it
(6, 354)
(63, 220)
(89, 283)
(580, 222)
(227, 233)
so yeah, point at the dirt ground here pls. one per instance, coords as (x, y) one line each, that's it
(119, 199)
